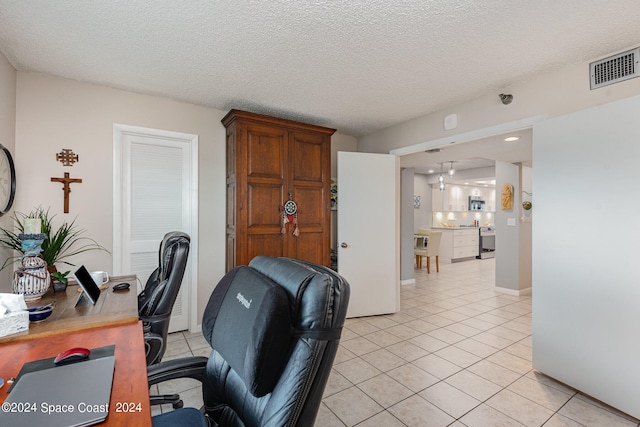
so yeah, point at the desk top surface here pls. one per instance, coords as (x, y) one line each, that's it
(130, 374)
(112, 308)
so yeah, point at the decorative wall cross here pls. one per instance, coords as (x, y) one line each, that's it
(67, 157)
(67, 189)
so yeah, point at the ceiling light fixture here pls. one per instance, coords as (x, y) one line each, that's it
(452, 171)
(511, 138)
(441, 178)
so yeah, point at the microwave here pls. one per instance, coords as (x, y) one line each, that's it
(476, 203)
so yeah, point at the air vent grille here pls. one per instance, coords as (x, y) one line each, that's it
(614, 69)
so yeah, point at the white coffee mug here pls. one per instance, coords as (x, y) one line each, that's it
(100, 277)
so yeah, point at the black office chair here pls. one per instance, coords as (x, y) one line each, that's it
(156, 300)
(274, 327)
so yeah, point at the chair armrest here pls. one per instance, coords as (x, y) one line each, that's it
(186, 367)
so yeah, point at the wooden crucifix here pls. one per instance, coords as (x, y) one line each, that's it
(67, 189)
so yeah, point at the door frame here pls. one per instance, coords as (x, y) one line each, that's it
(119, 131)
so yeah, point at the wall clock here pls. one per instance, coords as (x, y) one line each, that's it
(7, 180)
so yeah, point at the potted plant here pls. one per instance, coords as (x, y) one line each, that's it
(61, 243)
(60, 281)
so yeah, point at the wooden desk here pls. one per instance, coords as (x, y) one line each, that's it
(129, 377)
(112, 308)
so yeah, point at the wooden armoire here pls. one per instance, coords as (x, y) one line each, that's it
(269, 162)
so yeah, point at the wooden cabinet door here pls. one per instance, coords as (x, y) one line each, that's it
(262, 166)
(308, 180)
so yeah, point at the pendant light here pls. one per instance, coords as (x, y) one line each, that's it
(441, 179)
(452, 171)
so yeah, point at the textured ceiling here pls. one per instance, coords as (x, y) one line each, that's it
(357, 66)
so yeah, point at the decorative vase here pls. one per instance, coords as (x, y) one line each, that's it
(32, 278)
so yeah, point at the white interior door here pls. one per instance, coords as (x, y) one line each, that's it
(369, 230)
(156, 198)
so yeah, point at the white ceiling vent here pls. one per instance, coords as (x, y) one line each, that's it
(614, 69)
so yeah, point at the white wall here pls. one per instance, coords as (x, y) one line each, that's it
(7, 138)
(422, 217)
(507, 236)
(586, 275)
(55, 113)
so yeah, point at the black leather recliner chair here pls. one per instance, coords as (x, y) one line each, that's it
(156, 300)
(274, 328)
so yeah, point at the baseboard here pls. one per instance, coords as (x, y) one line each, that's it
(408, 282)
(513, 292)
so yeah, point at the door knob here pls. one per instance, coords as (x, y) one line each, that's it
(344, 245)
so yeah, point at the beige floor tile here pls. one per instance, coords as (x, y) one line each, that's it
(417, 412)
(509, 334)
(336, 383)
(438, 320)
(360, 346)
(558, 420)
(476, 323)
(385, 390)
(437, 366)
(461, 329)
(509, 361)
(448, 398)
(383, 338)
(342, 355)
(384, 418)
(421, 325)
(547, 380)
(491, 318)
(356, 370)
(384, 360)
(347, 334)
(196, 343)
(352, 406)
(586, 413)
(495, 373)
(549, 397)
(520, 350)
(403, 332)
(362, 328)
(457, 356)
(520, 408)
(412, 377)
(486, 416)
(473, 385)
(326, 418)
(407, 350)
(381, 322)
(428, 343)
(449, 337)
(476, 347)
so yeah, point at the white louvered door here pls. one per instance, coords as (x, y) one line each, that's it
(155, 199)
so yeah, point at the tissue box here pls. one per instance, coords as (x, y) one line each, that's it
(14, 322)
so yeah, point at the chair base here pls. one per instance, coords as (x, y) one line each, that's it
(419, 263)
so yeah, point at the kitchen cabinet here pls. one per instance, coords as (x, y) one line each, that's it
(459, 244)
(269, 162)
(455, 198)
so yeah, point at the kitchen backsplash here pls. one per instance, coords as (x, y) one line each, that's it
(457, 219)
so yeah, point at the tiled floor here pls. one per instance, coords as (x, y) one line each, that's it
(457, 354)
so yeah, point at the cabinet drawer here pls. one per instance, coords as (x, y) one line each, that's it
(466, 241)
(465, 252)
(471, 232)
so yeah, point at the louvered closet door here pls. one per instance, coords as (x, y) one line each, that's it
(158, 202)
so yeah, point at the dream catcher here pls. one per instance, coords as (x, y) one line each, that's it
(289, 213)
